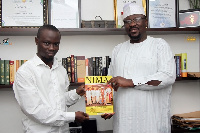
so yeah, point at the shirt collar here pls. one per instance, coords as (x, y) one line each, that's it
(38, 61)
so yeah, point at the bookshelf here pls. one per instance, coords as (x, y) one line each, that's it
(78, 84)
(10, 86)
(97, 31)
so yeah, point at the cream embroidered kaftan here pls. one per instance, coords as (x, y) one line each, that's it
(144, 108)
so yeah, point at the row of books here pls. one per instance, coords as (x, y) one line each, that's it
(8, 69)
(79, 66)
(181, 64)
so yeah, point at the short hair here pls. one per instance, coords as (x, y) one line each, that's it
(48, 27)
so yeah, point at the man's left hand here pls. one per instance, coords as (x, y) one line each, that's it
(81, 90)
(118, 81)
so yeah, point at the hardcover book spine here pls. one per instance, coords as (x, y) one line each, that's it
(64, 63)
(90, 66)
(75, 69)
(81, 68)
(7, 72)
(12, 73)
(104, 66)
(94, 66)
(17, 65)
(100, 66)
(2, 79)
(69, 69)
(97, 66)
(107, 64)
(72, 67)
(86, 67)
(184, 64)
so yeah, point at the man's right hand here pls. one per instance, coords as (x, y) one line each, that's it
(81, 116)
(107, 115)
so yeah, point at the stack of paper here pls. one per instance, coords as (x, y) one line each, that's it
(189, 121)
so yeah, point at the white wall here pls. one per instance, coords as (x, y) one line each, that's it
(185, 94)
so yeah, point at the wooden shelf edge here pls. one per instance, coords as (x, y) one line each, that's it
(71, 84)
(78, 84)
(97, 31)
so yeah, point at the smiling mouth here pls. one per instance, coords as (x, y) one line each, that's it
(133, 30)
(50, 54)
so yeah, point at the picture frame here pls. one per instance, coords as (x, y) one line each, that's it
(118, 10)
(162, 13)
(22, 13)
(65, 13)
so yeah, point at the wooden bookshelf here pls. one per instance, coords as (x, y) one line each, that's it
(97, 31)
(10, 86)
(78, 84)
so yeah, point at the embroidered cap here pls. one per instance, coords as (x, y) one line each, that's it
(131, 8)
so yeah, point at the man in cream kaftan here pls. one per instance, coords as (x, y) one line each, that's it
(143, 108)
(143, 70)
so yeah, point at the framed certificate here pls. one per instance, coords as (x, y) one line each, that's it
(65, 13)
(23, 13)
(118, 7)
(162, 13)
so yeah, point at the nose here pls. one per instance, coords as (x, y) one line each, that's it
(51, 46)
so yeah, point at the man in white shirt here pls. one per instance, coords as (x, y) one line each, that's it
(41, 88)
(143, 70)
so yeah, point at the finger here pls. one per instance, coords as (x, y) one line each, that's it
(109, 81)
(86, 118)
(108, 116)
(86, 115)
(103, 115)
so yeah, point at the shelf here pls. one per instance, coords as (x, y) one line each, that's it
(96, 31)
(78, 84)
(187, 78)
(71, 84)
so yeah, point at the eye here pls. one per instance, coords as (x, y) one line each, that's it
(56, 44)
(46, 43)
(137, 19)
(127, 21)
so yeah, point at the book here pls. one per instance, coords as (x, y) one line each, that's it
(94, 66)
(75, 69)
(97, 66)
(81, 68)
(72, 69)
(90, 67)
(86, 67)
(12, 72)
(7, 72)
(2, 79)
(108, 60)
(64, 63)
(184, 64)
(100, 66)
(104, 69)
(178, 65)
(69, 70)
(17, 64)
(99, 95)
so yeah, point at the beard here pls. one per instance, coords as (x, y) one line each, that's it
(135, 38)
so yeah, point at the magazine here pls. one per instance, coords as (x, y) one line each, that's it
(99, 95)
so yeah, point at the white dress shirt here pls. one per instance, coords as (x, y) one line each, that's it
(144, 108)
(43, 95)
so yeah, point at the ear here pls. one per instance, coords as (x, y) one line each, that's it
(146, 22)
(36, 40)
